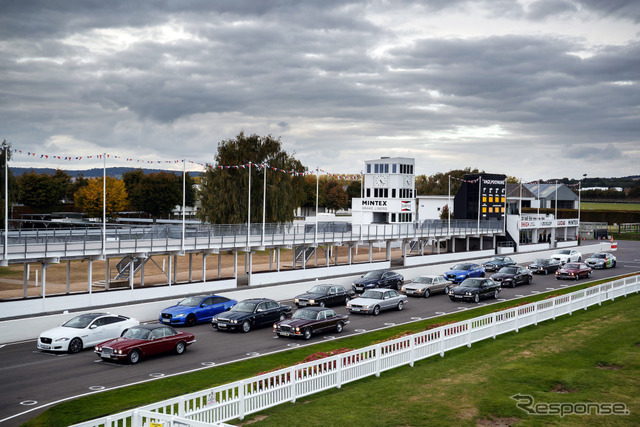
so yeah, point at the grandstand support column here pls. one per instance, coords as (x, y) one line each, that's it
(404, 249)
(44, 279)
(246, 262)
(204, 267)
(271, 259)
(26, 278)
(175, 269)
(326, 255)
(190, 268)
(169, 269)
(494, 241)
(250, 272)
(315, 256)
(467, 239)
(278, 259)
(106, 273)
(481, 241)
(131, 272)
(89, 275)
(453, 245)
(142, 274)
(68, 276)
(349, 257)
(388, 251)
(438, 245)
(219, 264)
(370, 252)
(235, 264)
(336, 255)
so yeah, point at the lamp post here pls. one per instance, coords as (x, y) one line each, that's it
(5, 147)
(584, 175)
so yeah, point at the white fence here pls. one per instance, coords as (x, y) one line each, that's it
(236, 400)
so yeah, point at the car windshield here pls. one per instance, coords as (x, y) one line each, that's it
(80, 322)
(471, 283)
(423, 279)
(373, 275)
(372, 294)
(541, 261)
(572, 266)
(191, 301)
(305, 314)
(497, 258)
(602, 256)
(322, 290)
(137, 333)
(462, 267)
(564, 252)
(246, 307)
(508, 270)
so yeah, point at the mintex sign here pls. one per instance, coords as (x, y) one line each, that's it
(386, 205)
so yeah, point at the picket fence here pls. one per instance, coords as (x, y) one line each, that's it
(216, 405)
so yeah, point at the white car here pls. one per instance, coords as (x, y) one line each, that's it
(84, 331)
(567, 255)
(373, 301)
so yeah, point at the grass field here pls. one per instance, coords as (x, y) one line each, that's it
(590, 206)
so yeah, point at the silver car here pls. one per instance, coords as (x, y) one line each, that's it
(373, 301)
(423, 286)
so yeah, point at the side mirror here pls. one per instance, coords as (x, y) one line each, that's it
(93, 326)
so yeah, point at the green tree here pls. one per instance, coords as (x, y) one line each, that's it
(157, 194)
(335, 195)
(634, 193)
(76, 183)
(438, 184)
(12, 183)
(40, 190)
(223, 194)
(90, 197)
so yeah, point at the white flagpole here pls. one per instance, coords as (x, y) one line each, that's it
(249, 209)
(184, 199)
(264, 201)
(504, 213)
(556, 203)
(6, 199)
(449, 209)
(315, 237)
(104, 203)
(479, 197)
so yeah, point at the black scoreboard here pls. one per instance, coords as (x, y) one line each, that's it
(481, 191)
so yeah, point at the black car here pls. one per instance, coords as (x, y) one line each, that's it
(512, 276)
(378, 279)
(497, 262)
(474, 290)
(544, 265)
(251, 313)
(311, 320)
(323, 295)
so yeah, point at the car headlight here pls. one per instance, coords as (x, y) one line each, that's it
(98, 348)
(62, 339)
(296, 300)
(181, 315)
(402, 289)
(468, 294)
(234, 321)
(312, 301)
(349, 304)
(297, 329)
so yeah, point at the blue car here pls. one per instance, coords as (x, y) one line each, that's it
(464, 270)
(196, 309)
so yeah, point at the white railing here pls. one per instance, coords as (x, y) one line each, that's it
(238, 399)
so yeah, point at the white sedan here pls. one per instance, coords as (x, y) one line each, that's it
(373, 301)
(85, 330)
(567, 255)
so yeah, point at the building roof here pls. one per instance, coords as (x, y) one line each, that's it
(515, 191)
(548, 191)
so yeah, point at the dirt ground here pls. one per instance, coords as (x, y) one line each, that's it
(12, 277)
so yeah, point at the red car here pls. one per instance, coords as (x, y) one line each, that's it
(143, 341)
(574, 271)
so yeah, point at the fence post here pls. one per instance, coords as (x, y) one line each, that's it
(378, 349)
(468, 333)
(411, 355)
(494, 322)
(599, 294)
(241, 387)
(181, 407)
(292, 375)
(339, 372)
(441, 332)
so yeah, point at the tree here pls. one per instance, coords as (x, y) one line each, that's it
(446, 213)
(223, 194)
(13, 182)
(159, 193)
(42, 190)
(335, 195)
(634, 193)
(76, 183)
(438, 184)
(90, 197)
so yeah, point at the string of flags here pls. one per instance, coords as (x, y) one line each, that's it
(159, 162)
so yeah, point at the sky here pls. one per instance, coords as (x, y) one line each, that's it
(529, 88)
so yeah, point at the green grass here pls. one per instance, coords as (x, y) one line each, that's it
(114, 401)
(594, 206)
(625, 236)
(593, 356)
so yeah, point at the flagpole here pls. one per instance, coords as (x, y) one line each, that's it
(184, 199)
(315, 237)
(479, 190)
(504, 213)
(449, 209)
(249, 209)
(264, 201)
(104, 203)
(6, 199)
(556, 203)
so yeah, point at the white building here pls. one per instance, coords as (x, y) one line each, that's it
(388, 192)
(431, 207)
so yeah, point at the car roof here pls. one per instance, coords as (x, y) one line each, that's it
(151, 326)
(316, 309)
(257, 300)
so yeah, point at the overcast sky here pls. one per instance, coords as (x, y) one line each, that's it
(529, 88)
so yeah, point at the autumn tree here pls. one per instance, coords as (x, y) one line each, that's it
(158, 193)
(90, 197)
(336, 197)
(223, 195)
(41, 190)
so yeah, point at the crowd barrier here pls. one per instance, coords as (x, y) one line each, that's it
(216, 405)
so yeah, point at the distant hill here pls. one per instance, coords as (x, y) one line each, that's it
(115, 172)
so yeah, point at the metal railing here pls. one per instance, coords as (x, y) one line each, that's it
(238, 399)
(68, 243)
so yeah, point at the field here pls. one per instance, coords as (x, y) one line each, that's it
(591, 356)
(590, 206)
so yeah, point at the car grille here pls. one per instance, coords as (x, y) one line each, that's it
(45, 340)
(357, 306)
(166, 315)
(497, 279)
(223, 320)
(107, 351)
(564, 275)
(303, 301)
(286, 328)
(451, 276)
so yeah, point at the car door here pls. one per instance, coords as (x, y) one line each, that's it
(205, 311)
(390, 299)
(218, 305)
(438, 284)
(262, 315)
(96, 332)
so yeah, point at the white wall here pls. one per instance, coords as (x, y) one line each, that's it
(274, 277)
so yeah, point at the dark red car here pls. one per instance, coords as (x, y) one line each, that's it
(143, 341)
(311, 320)
(573, 271)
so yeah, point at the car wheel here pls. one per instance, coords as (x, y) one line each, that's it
(476, 298)
(398, 285)
(513, 283)
(496, 293)
(482, 275)
(339, 327)
(400, 306)
(613, 265)
(346, 300)
(181, 347)
(133, 357)
(579, 258)
(282, 316)
(376, 310)
(75, 346)
(546, 271)
(530, 279)
(190, 320)
(246, 326)
(446, 290)
(427, 293)
(307, 333)
(321, 303)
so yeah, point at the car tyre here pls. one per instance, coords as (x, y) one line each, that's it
(476, 298)
(321, 303)
(400, 305)
(283, 316)
(482, 275)
(446, 290)
(427, 293)
(75, 346)
(398, 285)
(376, 310)
(339, 327)
(346, 300)
(190, 320)
(307, 334)
(181, 347)
(133, 357)
(246, 326)
(496, 293)
(513, 283)
(613, 265)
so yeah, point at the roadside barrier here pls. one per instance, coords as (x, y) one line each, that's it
(216, 405)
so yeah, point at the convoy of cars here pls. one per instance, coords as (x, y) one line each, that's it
(120, 338)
